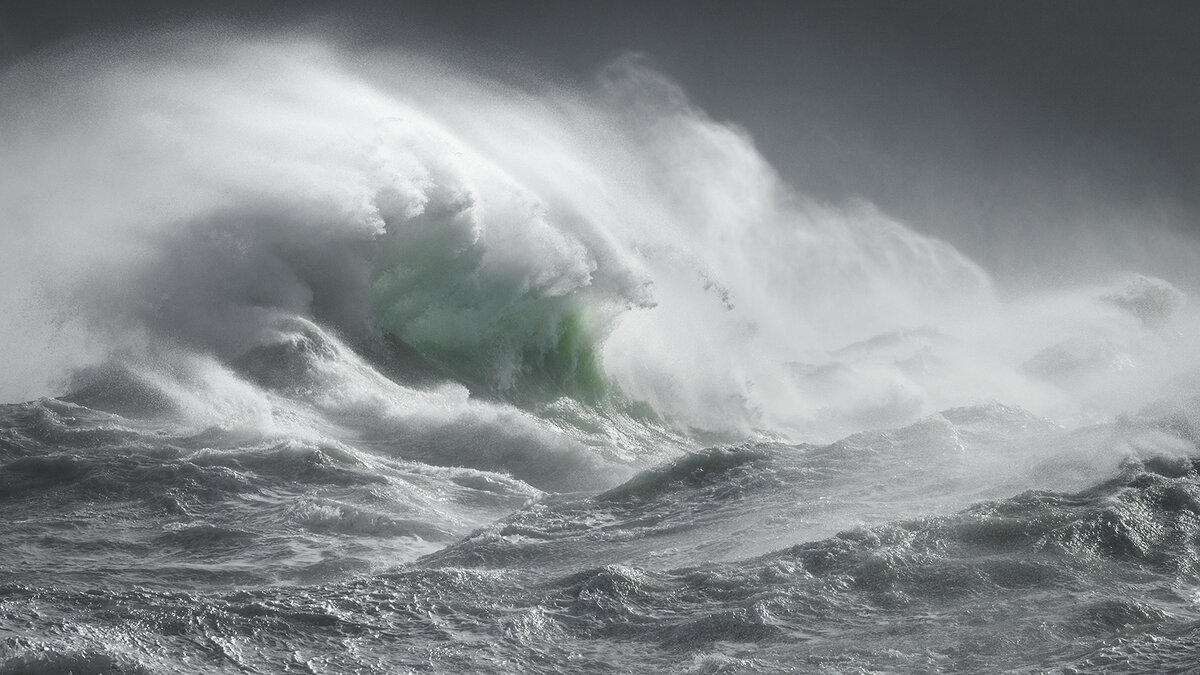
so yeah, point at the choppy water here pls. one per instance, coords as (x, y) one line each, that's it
(940, 546)
(332, 365)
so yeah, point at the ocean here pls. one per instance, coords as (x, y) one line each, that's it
(327, 361)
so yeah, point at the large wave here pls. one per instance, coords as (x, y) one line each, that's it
(180, 208)
(347, 360)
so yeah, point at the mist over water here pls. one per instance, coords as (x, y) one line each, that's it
(614, 241)
(288, 324)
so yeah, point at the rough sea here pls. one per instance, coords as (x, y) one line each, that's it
(329, 361)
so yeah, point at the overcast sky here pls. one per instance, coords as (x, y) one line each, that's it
(982, 122)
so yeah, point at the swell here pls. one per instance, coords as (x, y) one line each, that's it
(1100, 578)
(109, 501)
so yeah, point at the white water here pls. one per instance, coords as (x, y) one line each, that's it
(179, 199)
(353, 346)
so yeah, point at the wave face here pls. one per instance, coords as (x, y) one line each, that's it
(362, 362)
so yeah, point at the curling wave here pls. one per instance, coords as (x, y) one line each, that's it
(611, 246)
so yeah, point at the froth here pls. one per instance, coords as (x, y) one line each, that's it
(608, 244)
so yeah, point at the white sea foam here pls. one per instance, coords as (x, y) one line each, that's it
(185, 194)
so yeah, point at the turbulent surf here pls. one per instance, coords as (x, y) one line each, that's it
(328, 360)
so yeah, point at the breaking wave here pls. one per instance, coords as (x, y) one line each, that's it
(189, 198)
(389, 364)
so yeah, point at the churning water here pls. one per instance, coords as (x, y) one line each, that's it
(324, 362)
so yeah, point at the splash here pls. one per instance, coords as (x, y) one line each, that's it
(189, 198)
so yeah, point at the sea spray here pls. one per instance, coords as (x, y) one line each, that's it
(607, 243)
(362, 362)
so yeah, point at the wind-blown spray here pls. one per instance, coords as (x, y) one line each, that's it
(363, 363)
